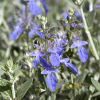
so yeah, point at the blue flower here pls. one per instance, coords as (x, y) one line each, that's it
(38, 53)
(34, 9)
(17, 30)
(79, 25)
(34, 29)
(65, 62)
(77, 14)
(51, 78)
(81, 50)
(77, 42)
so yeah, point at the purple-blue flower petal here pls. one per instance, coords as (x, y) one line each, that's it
(17, 30)
(33, 7)
(47, 71)
(40, 34)
(82, 54)
(74, 45)
(55, 59)
(76, 37)
(51, 81)
(30, 34)
(58, 50)
(13, 35)
(44, 63)
(35, 62)
(33, 53)
(65, 60)
(41, 53)
(44, 6)
(72, 67)
(82, 42)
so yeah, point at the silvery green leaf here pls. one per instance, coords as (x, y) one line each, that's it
(23, 89)
(89, 18)
(81, 77)
(96, 94)
(96, 84)
(5, 89)
(41, 78)
(96, 46)
(59, 84)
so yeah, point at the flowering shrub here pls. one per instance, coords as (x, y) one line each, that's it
(52, 50)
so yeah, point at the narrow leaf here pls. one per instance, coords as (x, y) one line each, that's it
(23, 89)
(81, 77)
(96, 84)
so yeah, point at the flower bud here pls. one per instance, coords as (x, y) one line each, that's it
(79, 26)
(48, 35)
(73, 26)
(72, 19)
(40, 30)
(70, 11)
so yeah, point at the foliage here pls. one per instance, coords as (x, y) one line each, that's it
(64, 64)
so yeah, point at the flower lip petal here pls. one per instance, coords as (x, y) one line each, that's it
(83, 56)
(44, 6)
(51, 81)
(72, 68)
(65, 60)
(35, 62)
(55, 59)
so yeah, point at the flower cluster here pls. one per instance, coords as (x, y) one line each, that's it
(73, 24)
(54, 53)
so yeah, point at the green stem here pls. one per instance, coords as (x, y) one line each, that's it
(73, 91)
(26, 25)
(91, 5)
(13, 90)
(88, 34)
(12, 86)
